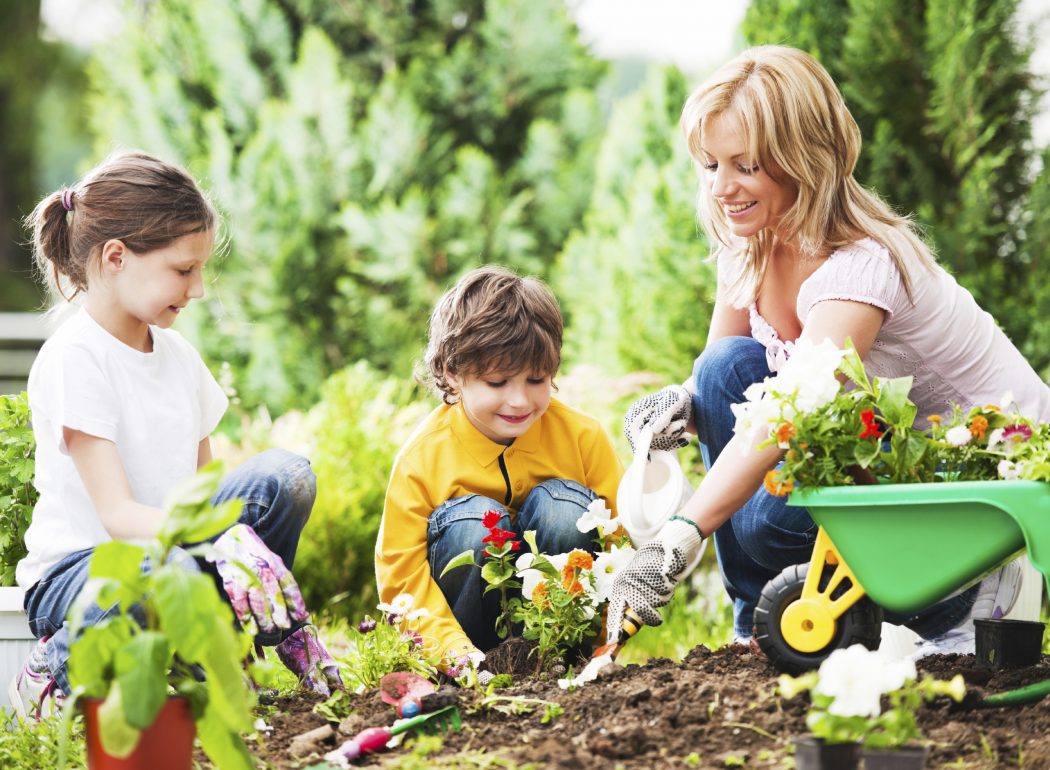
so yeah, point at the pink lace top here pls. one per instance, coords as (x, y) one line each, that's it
(953, 349)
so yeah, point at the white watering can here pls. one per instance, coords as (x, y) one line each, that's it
(652, 490)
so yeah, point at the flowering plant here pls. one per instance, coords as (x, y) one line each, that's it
(847, 694)
(864, 432)
(387, 644)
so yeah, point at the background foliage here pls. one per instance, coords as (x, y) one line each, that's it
(17, 494)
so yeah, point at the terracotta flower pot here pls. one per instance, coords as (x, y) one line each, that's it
(904, 758)
(811, 753)
(167, 744)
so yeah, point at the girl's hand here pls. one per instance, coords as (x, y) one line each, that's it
(263, 593)
(304, 654)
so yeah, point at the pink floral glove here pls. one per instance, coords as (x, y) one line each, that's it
(263, 593)
(304, 655)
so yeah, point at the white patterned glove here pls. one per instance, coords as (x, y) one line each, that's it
(649, 579)
(667, 412)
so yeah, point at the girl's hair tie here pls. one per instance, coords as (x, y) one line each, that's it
(67, 198)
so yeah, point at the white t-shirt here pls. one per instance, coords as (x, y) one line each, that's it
(953, 349)
(156, 407)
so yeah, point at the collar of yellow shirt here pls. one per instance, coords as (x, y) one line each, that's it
(484, 450)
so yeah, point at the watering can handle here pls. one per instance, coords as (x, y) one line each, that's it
(641, 447)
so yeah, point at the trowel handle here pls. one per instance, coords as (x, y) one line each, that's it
(631, 624)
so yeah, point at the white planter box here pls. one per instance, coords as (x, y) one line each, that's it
(16, 640)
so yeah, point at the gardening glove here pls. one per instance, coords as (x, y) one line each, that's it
(650, 577)
(477, 659)
(667, 412)
(305, 655)
(263, 593)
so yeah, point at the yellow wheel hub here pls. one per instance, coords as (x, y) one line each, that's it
(808, 625)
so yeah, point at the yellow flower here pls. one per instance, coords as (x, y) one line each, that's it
(935, 419)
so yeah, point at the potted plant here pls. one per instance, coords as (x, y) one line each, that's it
(17, 498)
(846, 713)
(170, 653)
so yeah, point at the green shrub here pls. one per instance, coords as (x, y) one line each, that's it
(17, 493)
(358, 426)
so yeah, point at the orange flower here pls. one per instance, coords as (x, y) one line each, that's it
(579, 560)
(539, 596)
(978, 427)
(935, 419)
(785, 431)
(775, 486)
(574, 587)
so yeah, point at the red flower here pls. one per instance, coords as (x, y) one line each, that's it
(498, 537)
(871, 427)
(491, 518)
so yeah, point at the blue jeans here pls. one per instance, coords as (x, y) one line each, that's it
(767, 535)
(278, 490)
(551, 509)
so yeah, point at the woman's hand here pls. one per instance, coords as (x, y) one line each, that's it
(667, 413)
(649, 579)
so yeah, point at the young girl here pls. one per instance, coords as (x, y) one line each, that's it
(806, 252)
(122, 409)
(499, 442)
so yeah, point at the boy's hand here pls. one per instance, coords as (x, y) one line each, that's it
(305, 655)
(263, 593)
(649, 579)
(667, 412)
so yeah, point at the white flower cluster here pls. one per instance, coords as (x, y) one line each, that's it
(857, 678)
(805, 383)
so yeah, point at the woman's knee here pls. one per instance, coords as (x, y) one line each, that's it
(727, 366)
(778, 539)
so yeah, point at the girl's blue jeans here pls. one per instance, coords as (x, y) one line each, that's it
(767, 535)
(551, 509)
(278, 490)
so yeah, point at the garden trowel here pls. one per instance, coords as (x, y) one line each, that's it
(607, 653)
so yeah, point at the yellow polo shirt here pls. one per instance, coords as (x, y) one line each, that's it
(447, 457)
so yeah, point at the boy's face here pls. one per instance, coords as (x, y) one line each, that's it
(503, 406)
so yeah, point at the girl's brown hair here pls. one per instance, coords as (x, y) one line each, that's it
(131, 197)
(492, 320)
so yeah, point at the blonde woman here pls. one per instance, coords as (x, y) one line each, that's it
(805, 252)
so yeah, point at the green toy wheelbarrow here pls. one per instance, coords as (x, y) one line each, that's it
(899, 547)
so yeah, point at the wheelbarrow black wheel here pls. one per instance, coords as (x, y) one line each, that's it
(860, 624)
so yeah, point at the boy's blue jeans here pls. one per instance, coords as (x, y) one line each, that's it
(552, 509)
(278, 489)
(767, 535)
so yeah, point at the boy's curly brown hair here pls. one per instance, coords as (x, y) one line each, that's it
(492, 320)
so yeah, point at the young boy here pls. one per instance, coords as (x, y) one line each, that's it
(499, 442)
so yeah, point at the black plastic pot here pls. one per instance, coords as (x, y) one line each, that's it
(904, 758)
(1008, 643)
(811, 753)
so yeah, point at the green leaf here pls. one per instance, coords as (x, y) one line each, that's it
(853, 367)
(118, 737)
(463, 559)
(228, 691)
(866, 452)
(91, 658)
(530, 538)
(893, 401)
(142, 674)
(188, 607)
(495, 573)
(222, 745)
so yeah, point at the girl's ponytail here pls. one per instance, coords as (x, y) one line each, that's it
(52, 246)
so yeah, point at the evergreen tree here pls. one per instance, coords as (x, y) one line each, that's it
(944, 98)
(636, 288)
(365, 154)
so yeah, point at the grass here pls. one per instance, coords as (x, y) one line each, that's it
(31, 745)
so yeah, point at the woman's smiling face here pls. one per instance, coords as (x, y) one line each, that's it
(751, 199)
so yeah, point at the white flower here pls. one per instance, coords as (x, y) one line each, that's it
(606, 567)
(422, 612)
(596, 515)
(857, 677)
(400, 605)
(1009, 470)
(995, 438)
(530, 578)
(958, 436)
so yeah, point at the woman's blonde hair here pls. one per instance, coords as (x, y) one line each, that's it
(799, 130)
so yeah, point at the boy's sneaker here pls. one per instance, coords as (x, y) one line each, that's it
(995, 598)
(33, 691)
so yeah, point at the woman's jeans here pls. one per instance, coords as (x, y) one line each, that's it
(767, 535)
(551, 509)
(278, 490)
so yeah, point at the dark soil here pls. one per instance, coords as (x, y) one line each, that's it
(715, 709)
